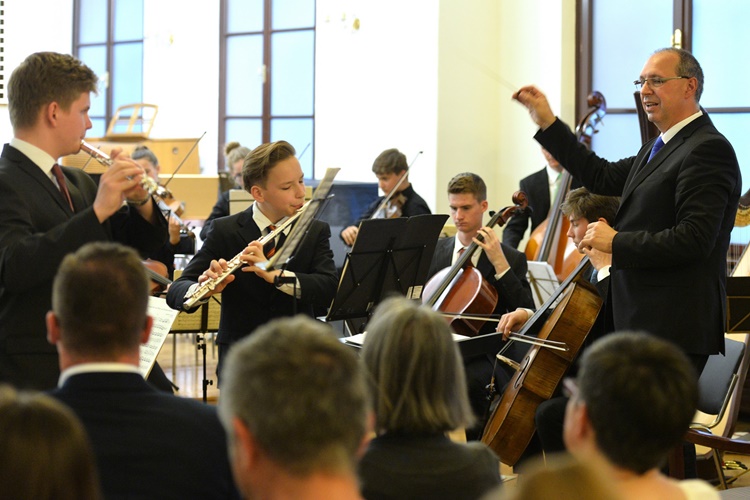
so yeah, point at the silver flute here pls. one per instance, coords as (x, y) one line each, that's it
(235, 263)
(147, 183)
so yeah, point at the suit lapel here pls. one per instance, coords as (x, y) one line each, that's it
(248, 230)
(642, 170)
(29, 168)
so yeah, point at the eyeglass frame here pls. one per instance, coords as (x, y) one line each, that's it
(651, 83)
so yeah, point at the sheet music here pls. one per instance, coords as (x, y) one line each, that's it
(543, 281)
(163, 318)
(358, 340)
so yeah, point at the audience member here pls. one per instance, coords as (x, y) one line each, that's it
(294, 404)
(44, 451)
(559, 477)
(419, 394)
(148, 444)
(630, 405)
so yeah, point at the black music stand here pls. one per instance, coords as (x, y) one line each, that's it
(389, 257)
(738, 304)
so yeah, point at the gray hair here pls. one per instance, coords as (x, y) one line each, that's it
(300, 392)
(416, 371)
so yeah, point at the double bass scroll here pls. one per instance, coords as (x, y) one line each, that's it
(549, 241)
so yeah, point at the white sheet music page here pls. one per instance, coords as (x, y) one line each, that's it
(163, 318)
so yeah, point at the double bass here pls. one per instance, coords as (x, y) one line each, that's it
(549, 242)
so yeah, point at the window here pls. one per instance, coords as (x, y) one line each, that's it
(108, 37)
(616, 38)
(267, 74)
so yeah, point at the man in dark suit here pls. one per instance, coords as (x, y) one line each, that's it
(148, 444)
(503, 267)
(301, 443)
(670, 236)
(48, 211)
(273, 176)
(539, 188)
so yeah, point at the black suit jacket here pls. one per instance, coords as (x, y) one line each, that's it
(668, 274)
(536, 187)
(513, 288)
(149, 444)
(249, 301)
(37, 229)
(220, 209)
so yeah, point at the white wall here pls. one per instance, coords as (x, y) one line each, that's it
(376, 87)
(48, 34)
(419, 75)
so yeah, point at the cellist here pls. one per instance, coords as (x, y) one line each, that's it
(502, 266)
(581, 208)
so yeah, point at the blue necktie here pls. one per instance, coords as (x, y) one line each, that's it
(657, 146)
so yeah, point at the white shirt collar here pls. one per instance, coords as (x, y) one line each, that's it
(666, 136)
(41, 158)
(552, 175)
(457, 246)
(262, 221)
(109, 367)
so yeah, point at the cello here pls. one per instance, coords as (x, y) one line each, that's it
(549, 242)
(511, 425)
(460, 290)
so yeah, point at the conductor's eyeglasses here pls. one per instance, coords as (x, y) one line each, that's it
(655, 82)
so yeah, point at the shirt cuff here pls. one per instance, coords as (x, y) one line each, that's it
(603, 273)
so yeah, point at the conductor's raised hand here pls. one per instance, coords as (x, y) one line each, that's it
(599, 236)
(537, 104)
(215, 269)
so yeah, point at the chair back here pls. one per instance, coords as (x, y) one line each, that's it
(718, 380)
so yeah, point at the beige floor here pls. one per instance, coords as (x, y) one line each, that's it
(188, 376)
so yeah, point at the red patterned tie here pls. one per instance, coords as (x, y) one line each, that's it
(270, 248)
(57, 171)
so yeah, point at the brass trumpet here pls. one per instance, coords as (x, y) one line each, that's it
(147, 183)
(235, 263)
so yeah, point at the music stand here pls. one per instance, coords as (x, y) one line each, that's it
(390, 256)
(738, 304)
(543, 281)
(200, 322)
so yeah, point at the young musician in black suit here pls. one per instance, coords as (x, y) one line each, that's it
(250, 297)
(581, 208)
(389, 167)
(503, 267)
(48, 100)
(147, 444)
(539, 187)
(670, 237)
